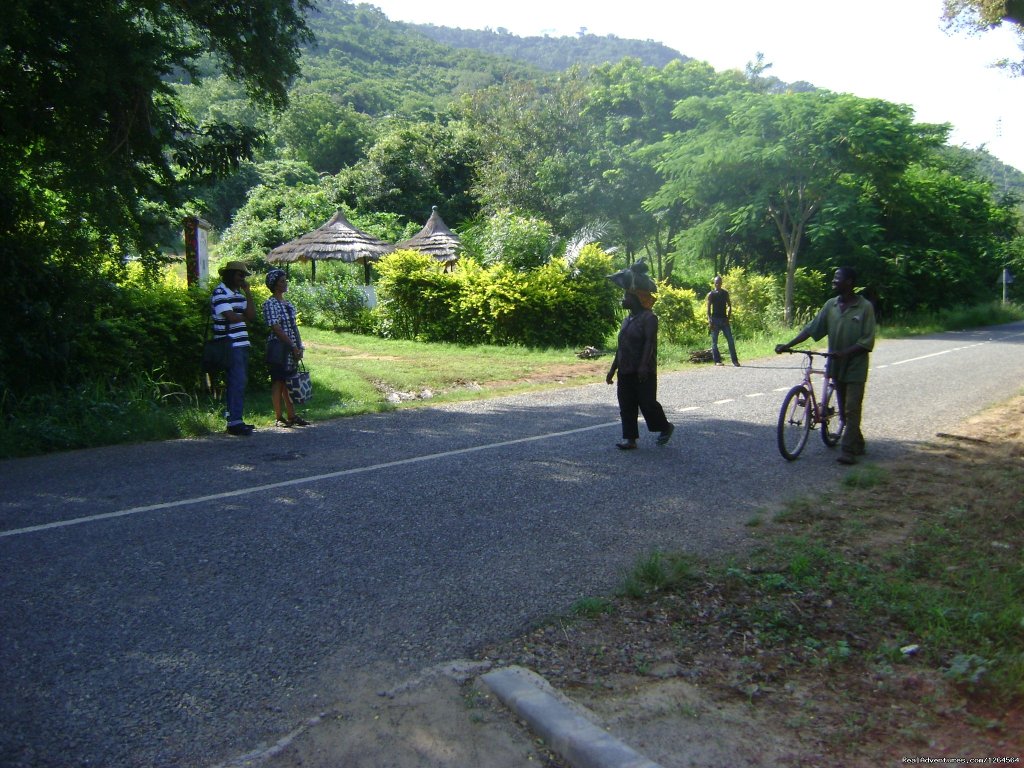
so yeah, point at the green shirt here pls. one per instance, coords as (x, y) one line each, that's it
(853, 325)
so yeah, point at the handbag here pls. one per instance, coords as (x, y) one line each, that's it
(300, 388)
(277, 352)
(216, 355)
(216, 352)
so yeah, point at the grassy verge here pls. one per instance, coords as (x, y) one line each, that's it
(881, 618)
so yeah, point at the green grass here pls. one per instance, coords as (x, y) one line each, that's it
(657, 572)
(953, 319)
(943, 573)
(592, 606)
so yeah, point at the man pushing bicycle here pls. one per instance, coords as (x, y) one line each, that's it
(849, 321)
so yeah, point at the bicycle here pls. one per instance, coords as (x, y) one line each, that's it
(801, 410)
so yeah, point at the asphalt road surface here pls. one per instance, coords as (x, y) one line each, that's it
(180, 603)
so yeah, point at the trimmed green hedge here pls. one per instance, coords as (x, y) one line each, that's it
(554, 305)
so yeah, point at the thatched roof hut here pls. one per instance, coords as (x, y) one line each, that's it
(336, 240)
(435, 239)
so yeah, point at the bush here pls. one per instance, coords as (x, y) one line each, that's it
(553, 305)
(519, 242)
(811, 289)
(415, 298)
(756, 301)
(681, 316)
(336, 303)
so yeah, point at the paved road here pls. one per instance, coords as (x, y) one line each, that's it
(177, 604)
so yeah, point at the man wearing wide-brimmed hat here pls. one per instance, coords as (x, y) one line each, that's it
(231, 305)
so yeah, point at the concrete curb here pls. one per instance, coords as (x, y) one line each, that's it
(560, 722)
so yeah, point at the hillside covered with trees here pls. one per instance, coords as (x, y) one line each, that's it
(554, 53)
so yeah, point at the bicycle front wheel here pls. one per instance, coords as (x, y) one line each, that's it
(794, 422)
(831, 424)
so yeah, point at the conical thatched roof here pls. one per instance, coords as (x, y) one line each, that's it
(337, 239)
(435, 239)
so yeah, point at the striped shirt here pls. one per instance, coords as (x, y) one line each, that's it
(226, 300)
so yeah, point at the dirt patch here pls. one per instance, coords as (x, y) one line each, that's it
(728, 669)
(569, 373)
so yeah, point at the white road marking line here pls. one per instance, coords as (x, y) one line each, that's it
(946, 351)
(297, 481)
(723, 402)
(755, 394)
(922, 357)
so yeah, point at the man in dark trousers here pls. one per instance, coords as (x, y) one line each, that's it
(849, 320)
(636, 359)
(719, 309)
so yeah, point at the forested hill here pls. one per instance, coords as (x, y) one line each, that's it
(554, 53)
(379, 66)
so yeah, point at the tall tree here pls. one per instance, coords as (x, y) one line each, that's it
(319, 131)
(533, 146)
(630, 107)
(748, 159)
(94, 142)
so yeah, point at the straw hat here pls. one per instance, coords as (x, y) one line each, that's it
(234, 266)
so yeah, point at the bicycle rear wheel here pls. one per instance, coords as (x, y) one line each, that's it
(832, 425)
(794, 422)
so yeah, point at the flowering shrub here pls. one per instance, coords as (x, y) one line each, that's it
(553, 305)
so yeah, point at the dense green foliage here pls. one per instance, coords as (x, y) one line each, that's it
(337, 303)
(554, 305)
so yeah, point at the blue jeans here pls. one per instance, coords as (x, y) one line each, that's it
(720, 324)
(237, 378)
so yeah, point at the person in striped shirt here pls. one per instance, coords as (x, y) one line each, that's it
(232, 306)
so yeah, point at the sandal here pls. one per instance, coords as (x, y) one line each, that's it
(282, 423)
(297, 421)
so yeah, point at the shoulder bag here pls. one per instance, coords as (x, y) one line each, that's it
(216, 352)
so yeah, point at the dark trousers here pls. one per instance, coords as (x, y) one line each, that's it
(637, 397)
(237, 378)
(851, 404)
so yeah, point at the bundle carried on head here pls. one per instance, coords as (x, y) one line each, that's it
(635, 280)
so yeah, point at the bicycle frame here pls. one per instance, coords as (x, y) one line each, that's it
(802, 411)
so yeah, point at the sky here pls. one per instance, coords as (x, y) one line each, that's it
(897, 50)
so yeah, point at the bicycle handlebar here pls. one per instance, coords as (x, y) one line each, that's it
(808, 352)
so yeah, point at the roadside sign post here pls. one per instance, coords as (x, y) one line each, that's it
(197, 255)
